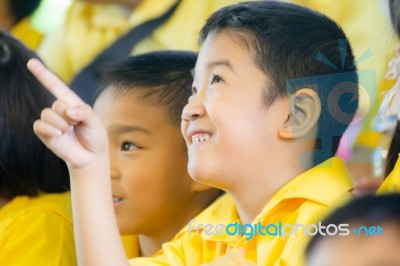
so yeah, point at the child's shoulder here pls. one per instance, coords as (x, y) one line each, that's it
(55, 206)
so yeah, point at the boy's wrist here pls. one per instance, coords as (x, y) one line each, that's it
(95, 169)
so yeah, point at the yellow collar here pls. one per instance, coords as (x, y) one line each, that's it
(322, 184)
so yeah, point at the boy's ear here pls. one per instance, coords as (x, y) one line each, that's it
(304, 112)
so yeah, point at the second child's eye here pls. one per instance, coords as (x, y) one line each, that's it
(216, 79)
(129, 146)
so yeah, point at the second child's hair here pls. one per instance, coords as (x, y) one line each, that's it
(284, 40)
(394, 148)
(27, 167)
(367, 210)
(164, 78)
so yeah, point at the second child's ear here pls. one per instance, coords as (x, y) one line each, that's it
(304, 112)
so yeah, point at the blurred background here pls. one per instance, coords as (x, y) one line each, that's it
(50, 14)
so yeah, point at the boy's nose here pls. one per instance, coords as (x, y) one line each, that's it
(114, 172)
(194, 109)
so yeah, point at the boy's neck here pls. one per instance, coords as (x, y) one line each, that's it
(151, 243)
(251, 198)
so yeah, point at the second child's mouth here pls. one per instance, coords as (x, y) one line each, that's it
(117, 200)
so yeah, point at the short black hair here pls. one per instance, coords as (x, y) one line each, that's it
(163, 77)
(284, 40)
(23, 8)
(368, 210)
(27, 167)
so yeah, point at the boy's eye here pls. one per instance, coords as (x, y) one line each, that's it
(216, 79)
(128, 146)
(194, 90)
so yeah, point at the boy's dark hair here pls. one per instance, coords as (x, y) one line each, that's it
(394, 148)
(393, 152)
(284, 40)
(367, 210)
(163, 77)
(27, 167)
(394, 8)
(23, 8)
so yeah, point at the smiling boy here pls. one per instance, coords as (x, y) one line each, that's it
(140, 104)
(258, 126)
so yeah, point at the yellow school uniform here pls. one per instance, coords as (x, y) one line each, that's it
(27, 34)
(392, 181)
(131, 246)
(90, 28)
(37, 231)
(305, 200)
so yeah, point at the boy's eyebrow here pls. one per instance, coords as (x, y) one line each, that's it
(212, 64)
(117, 129)
(222, 62)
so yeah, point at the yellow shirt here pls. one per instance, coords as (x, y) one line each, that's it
(392, 181)
(37, 231)
(131, 246)
(27, 34)
(303, 200)
(90, 28)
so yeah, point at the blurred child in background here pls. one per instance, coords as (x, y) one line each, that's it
(35, 209)
(373, 236)
(390, 112)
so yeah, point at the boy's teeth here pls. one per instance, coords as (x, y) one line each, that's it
(116, 199)
(200, 138)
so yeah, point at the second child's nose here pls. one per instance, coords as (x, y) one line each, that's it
(114, 168)
(114, 173)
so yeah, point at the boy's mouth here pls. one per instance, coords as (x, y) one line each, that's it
(200, 137)
(117, 199)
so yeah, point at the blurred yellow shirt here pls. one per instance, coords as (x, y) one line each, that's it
(37, 231)
(131, 246)
(27, 34)
(306, 199)
(90, 28)
(392, 182)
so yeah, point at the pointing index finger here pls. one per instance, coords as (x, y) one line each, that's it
(52, 83)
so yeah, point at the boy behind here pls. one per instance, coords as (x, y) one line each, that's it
(140, 103)
(263, 124)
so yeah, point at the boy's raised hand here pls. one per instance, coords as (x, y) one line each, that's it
(70, 128)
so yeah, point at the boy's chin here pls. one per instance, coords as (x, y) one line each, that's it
(195, 174)
(201, 176)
